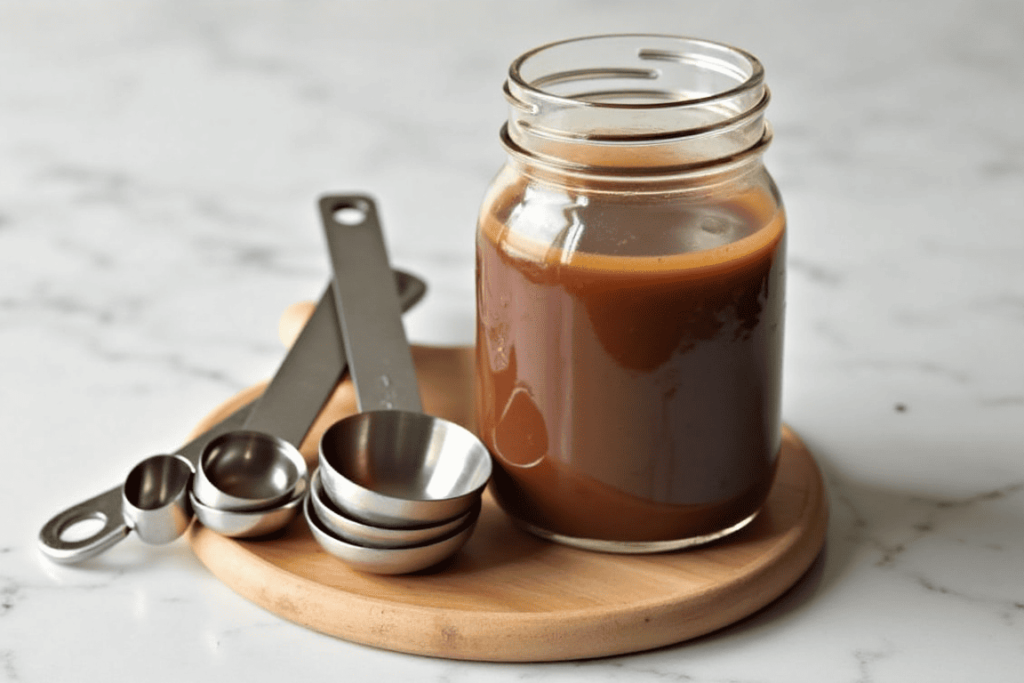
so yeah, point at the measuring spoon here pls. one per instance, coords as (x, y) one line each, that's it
(314, 365)
(107, 508)
(155, 498)
(390, 464)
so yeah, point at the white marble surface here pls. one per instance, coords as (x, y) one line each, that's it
(159, 163)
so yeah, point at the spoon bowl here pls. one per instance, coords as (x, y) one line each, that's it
(248, 470)
(249, 523)
(402, 469)
(389, 560)
(155, 498)
(348, 529)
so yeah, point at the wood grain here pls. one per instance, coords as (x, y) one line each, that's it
(508, 596)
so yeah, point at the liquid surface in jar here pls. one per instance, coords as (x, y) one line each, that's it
(629, 395)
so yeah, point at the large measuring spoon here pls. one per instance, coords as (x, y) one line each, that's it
(306, 378)
(390, 464)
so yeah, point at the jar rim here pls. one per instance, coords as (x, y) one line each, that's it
(752, 78)
(633, 173)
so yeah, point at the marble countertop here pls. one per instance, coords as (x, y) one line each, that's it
(159, 166)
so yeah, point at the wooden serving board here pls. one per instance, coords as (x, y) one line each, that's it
(508, 596)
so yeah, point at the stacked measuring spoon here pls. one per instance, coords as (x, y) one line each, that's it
(397, 490)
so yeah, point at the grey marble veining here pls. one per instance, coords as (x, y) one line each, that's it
(159, 167)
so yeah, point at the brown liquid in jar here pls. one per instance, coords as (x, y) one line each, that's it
(630, 397)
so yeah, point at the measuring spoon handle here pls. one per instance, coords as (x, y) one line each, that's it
(315, 364)
(379, 359)
(105, 508)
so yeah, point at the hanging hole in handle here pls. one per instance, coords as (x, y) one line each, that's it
(83, 529)
(351, 213)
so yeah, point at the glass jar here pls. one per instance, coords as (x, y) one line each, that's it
(630, 294)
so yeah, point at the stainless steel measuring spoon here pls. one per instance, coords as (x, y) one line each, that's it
(106, 508)
(155, 498)
(390, 464)
(311, 370)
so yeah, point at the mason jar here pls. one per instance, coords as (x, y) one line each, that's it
(630, 294)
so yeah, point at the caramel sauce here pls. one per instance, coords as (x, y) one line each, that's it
(628, 395)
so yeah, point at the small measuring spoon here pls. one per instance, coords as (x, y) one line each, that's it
(390, 464)
(249, 523)
(317, 355)
(248, 470)
(155, 498)
(108, 508)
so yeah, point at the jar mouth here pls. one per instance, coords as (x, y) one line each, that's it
(641, 71)
(636, 100)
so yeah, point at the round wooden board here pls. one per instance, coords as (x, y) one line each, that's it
(508, 596)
